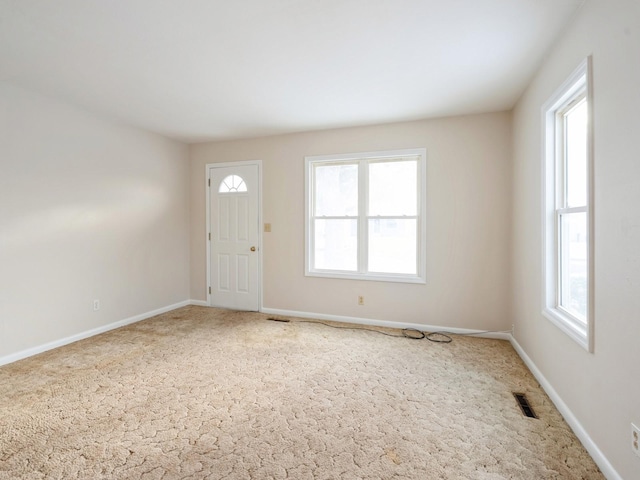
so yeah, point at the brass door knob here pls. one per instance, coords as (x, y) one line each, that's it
(253, 249)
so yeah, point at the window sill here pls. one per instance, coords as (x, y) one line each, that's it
(578, 333)
(371, 277)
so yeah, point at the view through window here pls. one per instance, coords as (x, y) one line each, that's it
(365, 216)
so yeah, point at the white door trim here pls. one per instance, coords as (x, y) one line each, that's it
(207, 188)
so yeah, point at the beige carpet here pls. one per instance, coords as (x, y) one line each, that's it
(205, 393)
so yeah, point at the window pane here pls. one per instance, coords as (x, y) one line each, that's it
(336, 244)
(336, 190)
(576, 144)
(573, 264)
(392, 246)
(393, 188)
(232, 184)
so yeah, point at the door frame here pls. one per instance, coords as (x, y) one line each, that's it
(207, 187)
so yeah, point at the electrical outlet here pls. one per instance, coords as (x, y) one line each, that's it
(360, 300)
(96, 305)
(635, 439)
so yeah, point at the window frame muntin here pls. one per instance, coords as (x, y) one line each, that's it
(362, 219)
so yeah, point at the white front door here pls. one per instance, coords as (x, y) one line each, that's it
(234, 245)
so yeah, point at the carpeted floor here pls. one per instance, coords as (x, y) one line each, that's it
(206, 393)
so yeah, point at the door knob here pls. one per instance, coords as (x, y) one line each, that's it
(253, 249)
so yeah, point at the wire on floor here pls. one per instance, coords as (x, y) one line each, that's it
(410, 333)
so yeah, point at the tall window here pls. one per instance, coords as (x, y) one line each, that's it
(568, 217)
(365, 216)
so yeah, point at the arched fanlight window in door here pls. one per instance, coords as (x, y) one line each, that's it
(232, 184)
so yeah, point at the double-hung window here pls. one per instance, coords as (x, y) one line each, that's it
(365, 216)
(568, 209)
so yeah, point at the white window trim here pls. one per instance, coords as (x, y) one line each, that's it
(420, 277)
(579, 81)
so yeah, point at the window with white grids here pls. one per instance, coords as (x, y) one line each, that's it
(365, 216)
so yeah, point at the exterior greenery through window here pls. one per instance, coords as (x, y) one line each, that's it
(365, 216)
(568, 219)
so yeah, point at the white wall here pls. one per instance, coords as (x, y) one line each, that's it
(601, 389)
(88, 210)
(468, 222)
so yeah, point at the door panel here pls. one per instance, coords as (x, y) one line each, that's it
(223, 219)
(223, 273)
(243, 273)
(234, 254)
(243, 219)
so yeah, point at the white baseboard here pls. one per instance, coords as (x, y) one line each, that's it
(199, 303)
(597, 455)
(14, 357)
(384, 323)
